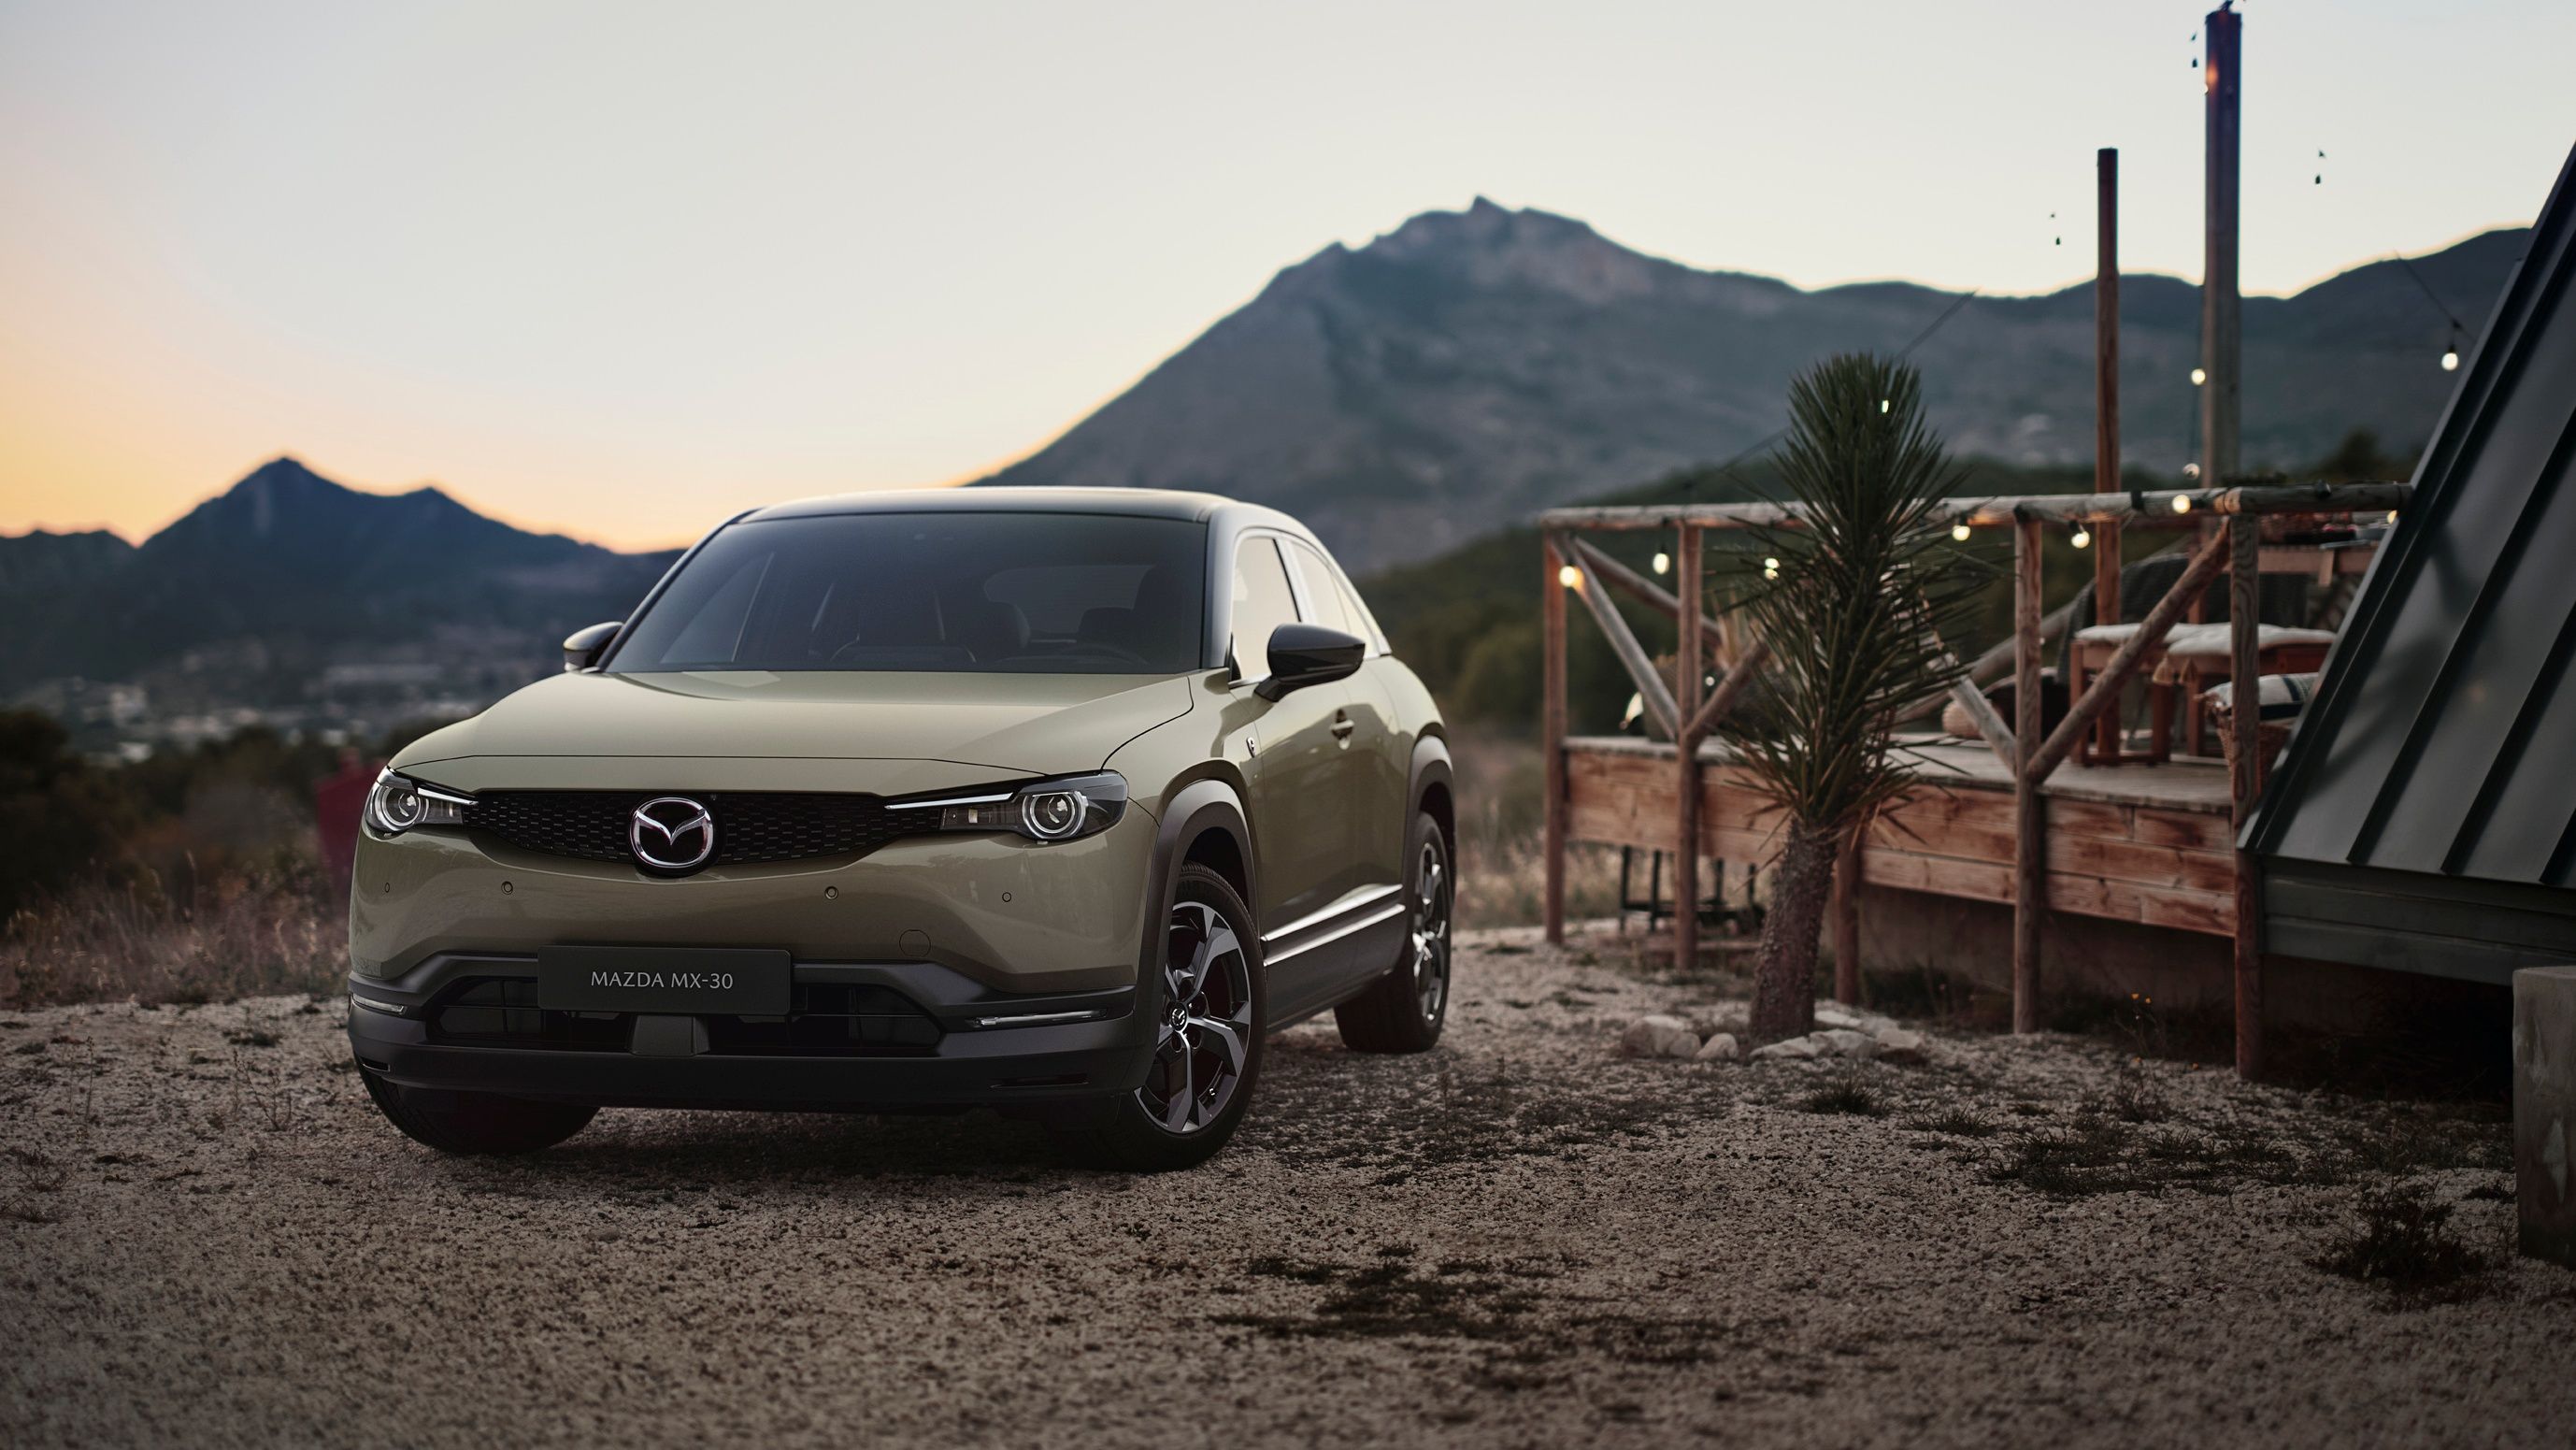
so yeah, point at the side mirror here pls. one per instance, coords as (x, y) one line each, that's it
(582, 646)
(1309, 654)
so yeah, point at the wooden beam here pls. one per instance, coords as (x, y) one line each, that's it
(2030, 859)
(2106, 610)
(1729, 690)
(1657, 695)
(1551, 735)
(2245, 692)
(1991, 666)
(1845, 908)
(1640, 588)
(2146, 509)
(1686, 756)
(1998, 736)
(2152, 630)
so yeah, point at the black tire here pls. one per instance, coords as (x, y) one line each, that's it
(476, 1123)
(1404, 1010)
(1153, 1129)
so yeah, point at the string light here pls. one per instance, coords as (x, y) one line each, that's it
(1770, 568)
(2182, 501)
(2199, 376)
(1882, 405)
(2083, 538)
(2190, 470)
(2451, 358)
(1959, 532)
(2392, 516)
(1570, 577)
(1663, 563)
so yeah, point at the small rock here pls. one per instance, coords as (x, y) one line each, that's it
(1898, 1045)
(1720, 1048)
(1659, 1036)
(1844, 1042)
(1835, 1017)
(1795, 1048)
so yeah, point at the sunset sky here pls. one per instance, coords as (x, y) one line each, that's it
(621, 269)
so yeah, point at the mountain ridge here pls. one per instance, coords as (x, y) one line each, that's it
(1470, 366)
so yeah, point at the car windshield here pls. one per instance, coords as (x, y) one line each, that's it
(1027, 593)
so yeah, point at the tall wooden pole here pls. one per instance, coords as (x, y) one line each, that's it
(2245, 691)
(2220, 309)
(2106, 407)
(1551, 737)
(2030, 846)
(1688, 665)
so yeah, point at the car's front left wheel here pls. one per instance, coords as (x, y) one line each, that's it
(1212, 1010)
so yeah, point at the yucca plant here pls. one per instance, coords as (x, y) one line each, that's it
(1854, 598)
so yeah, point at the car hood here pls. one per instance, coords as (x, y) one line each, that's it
(985, 725)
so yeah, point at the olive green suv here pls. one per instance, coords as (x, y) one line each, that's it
(1053, 801)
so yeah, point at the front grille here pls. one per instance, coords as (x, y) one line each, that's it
(823, 1020)
(751, 826)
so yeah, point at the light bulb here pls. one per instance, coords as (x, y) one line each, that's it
(1663, 563)
(2182, 501)
(2392, 516)
(1771, 565)
(2450, 359)
(1882, 405)
(2191, 470)
(1570, 577)
(1959, 532)
(2083, 538)
(2199, 376)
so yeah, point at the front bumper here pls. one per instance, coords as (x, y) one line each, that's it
(1058, 1055)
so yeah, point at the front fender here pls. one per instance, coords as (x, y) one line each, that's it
(1202, 805)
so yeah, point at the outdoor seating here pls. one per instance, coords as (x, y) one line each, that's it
(2191, 656)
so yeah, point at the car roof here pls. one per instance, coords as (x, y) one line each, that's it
(1152, 503)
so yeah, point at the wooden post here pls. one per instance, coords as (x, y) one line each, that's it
(1846, 918)
(2030, 857)
(2106, 408)
(2220, 307)
(2245, 693)
(1689, 669)
(1551, 738)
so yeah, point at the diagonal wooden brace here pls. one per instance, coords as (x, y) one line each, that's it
(1642, 589)
(1657, 695)
(2106, 687)
(1728, 691)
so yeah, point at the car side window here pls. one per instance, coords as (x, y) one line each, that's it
(1262, 603)
(1324, 592)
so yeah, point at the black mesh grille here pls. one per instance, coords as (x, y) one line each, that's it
(751, 826)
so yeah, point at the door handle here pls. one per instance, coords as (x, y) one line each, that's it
(1343, 725)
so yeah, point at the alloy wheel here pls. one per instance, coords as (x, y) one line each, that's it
(1206, 1030)
(1431, 930)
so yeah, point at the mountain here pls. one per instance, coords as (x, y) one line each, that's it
(287, 574)
(1472, 366)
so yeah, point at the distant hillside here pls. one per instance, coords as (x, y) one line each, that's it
(1472, 366)
(288, 573)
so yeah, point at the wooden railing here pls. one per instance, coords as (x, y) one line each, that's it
(2230, 521)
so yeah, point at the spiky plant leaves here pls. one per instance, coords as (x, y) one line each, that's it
(1867, 583)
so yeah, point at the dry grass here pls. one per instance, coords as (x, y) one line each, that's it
(248, 934)
(1502, 870)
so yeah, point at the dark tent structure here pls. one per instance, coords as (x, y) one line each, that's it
(2423, 818)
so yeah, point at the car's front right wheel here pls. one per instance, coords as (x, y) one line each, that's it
(1212, 1010)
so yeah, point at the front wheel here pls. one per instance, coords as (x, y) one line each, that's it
(454, 1122)
(1212, 1008)
(1403, 1011)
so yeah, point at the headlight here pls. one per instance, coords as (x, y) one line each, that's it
(1042, 810)
(398, 804)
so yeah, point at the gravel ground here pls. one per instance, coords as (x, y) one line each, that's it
(207, 1236)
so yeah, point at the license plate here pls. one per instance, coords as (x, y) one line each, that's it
(731, 981)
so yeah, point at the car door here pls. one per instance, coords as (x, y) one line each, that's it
(1378, 765)
(1296, 756)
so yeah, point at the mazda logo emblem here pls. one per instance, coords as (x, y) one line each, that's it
(671, 833)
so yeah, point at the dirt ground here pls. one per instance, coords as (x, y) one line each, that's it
(208, 1237)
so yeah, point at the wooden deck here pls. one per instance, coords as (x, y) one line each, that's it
(2143, 843)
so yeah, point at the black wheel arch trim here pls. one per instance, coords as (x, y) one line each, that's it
(1203, 805)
